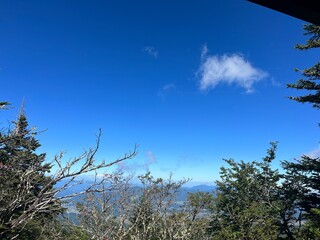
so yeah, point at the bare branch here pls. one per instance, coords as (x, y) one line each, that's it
(47, 199)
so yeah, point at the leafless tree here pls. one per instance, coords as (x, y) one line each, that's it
(49, 199)
(151, 211)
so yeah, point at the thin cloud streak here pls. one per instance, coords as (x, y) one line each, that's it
(134, 167)
(151, 158)
(166, 89)
(152, 51)
(315, 153)
(230, 69)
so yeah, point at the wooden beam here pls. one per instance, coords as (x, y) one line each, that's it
(306, 10)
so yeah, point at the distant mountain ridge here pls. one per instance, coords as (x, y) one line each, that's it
(87, 182)
(202, 188)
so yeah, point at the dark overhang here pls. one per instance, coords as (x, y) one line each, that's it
(307, 10)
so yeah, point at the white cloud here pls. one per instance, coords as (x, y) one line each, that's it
(166, 89)
(151, 159)
(315, 153)
(137, 165)
(204, 51)
(275, 83)
(152, 51)
(231, 69)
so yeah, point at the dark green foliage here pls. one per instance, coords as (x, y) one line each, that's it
(29, 205)
(23, 183)
(246, 204)
(306, 175)
(301, 187)
(3, 104)
(311, 75)
(302, 180)
(197, 202)
(314, 41)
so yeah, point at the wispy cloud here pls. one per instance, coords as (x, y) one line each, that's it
(315, 153)
(230, 69)
(166, 89)
(275, 83)
(169, 87)
(151, 159)
(152, 51)
(136, 166)
(182, 161)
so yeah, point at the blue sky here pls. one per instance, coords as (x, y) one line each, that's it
(190, 82)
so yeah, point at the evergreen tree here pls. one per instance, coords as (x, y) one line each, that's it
(23, 182)
(302, 180)
(312, 74)
(246, 205)
(29, 203)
